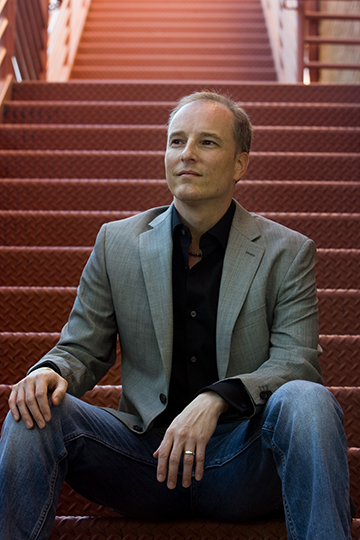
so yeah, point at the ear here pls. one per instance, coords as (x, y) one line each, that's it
(242, 162)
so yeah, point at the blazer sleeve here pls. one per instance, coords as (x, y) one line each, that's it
(87, 346)
(291, 329)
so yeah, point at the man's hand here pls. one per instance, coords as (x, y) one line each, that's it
(29, 397)
(190, 431)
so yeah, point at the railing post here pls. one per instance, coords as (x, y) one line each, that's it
(8, 39)
(301, 42)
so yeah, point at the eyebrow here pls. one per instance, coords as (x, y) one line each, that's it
(202, 134)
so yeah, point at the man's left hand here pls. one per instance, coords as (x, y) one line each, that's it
(189, 434)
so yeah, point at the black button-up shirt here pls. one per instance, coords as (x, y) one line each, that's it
(195, 303)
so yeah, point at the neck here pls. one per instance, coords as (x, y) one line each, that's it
(199, 218)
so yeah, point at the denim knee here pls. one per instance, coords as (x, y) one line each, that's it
(307, 407)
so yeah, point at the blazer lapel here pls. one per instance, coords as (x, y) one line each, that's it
(155, 247)
(242, 259)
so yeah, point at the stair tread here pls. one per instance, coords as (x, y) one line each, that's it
(156, 91)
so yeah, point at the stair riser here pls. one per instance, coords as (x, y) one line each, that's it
(80, 229)
(180, 73)
(150, 165)
(93, 137)
(133, 91)
(47, 310)
(138, 195)
(62, 267)
(182, 23)
(175, 48)
(158, 62)
(20, 351)
(105, 527)
(158, 114)
(192, 36)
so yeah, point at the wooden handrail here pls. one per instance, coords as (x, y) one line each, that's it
(37, 45)
(310, 40)
(23, 38)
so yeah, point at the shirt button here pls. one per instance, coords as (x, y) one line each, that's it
(163, 398)
(183, 232)
(137, 428)
(193, 313)
(193, 359)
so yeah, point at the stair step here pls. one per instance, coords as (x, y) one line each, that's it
(202, 6)
(162, 22)
(189, 13)
(150, 137)
(165, 91)
(243, 73)
(337, 310)
(46, 309)
(174, 48)
(137, 195)
(109, 396)
(108, 527)
(174, 36)
(40, 228)
(150, 165)
(20, 351)
(181, 61)
(340, 360)
(71, 503)
(157, 113)
(62, 266)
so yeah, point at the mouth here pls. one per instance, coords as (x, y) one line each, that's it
(188, 173)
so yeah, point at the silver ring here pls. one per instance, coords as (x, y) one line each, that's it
(189, 453)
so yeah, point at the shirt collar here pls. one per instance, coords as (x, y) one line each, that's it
(220, 230)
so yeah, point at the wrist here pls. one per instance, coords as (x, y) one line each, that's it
(218, 403)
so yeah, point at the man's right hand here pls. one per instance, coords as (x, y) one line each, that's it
(29, 398)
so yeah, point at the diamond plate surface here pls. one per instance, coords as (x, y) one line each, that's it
(340, 360)
(62, 228)
(141, 194)
(173, 91)
(150, 137)
(19, 351)
(132, 112)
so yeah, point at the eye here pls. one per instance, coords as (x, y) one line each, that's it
(208, 142)
(176, 142)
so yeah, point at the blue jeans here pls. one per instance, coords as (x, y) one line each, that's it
(293, 454)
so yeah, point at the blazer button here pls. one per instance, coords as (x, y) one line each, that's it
(163, 399)
(265, 394)
(137, 428)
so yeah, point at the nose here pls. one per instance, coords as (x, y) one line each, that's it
(189, 151)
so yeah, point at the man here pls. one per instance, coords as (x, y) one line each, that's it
(222, 414)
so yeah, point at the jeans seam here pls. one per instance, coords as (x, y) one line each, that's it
(276, 449)
(39, 525)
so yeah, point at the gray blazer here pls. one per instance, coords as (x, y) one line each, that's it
(267, 323)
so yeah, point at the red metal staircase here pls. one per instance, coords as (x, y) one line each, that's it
(165, 39)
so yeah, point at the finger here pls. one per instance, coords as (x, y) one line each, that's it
(12, 404)
(22, 408)
(59, 391)
(162, 455)
(188, 466)
(35, 397)
(173, 469)
(200, 460)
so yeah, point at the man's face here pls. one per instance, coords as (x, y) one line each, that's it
(200, 159)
